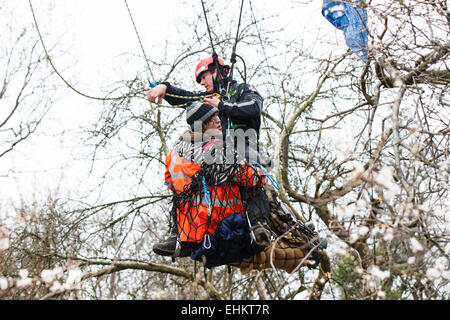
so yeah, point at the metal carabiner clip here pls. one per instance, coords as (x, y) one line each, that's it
(207, 242)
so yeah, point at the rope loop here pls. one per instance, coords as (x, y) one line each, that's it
(269, 176)
(207, 195)
(207, 239)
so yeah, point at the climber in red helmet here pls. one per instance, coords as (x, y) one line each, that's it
(240, 107)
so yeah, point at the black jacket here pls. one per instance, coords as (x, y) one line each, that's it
(241, 107)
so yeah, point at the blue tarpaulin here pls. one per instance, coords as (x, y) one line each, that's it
(352, 19)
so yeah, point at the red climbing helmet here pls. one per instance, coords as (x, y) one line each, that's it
(204, 64)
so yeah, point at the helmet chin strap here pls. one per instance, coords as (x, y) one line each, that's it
(216, 87)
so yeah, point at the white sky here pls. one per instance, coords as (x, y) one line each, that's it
(94, 34)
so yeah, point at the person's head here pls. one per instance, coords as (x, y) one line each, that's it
(206, 72)
(202, 116)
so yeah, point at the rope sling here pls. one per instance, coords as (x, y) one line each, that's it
(225, 236)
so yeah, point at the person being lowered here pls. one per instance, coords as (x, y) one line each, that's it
(194, 168)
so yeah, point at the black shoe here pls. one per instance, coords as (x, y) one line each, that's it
(262, 235)
(316, 256)
(172, 248)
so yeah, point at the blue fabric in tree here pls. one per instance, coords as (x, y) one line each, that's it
(352, 20)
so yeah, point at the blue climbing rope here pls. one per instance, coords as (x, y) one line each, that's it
(207, 240)
(207, 195)
(269, 176)
(151, 84)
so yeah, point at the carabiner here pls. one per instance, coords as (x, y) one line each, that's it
(207, 242)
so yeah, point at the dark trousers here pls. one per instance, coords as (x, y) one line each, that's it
(256, 204)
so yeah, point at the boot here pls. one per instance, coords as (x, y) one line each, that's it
(261, 235)
(316, 256)
(172, 246)
(258, 210)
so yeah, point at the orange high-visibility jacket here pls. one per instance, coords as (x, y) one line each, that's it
(196, 218)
